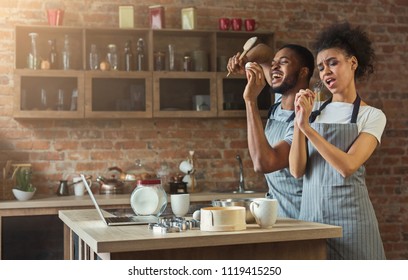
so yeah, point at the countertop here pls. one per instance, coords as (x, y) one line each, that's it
(107, 199)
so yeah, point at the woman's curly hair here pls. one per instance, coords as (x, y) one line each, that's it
(353, 41)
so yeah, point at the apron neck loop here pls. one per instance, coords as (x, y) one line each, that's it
(317, 112)
(356, 108)
(273, 109)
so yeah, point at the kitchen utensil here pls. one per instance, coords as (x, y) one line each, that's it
(222, 218)
(110, 186)
(244, 202)
(247, 46)
(123, 176)
(63, 189)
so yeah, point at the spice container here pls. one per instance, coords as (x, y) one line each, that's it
(159, 61)
(187, 63)
(148, 198)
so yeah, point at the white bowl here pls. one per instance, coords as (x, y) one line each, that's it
(23, 196)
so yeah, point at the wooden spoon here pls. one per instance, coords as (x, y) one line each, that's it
(247, 46)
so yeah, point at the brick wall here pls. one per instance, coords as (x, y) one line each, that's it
(57, 148)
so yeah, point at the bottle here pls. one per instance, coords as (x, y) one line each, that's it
(112, 57)
(43, 100)
(93, 58)
(52, 55)
(74, 100)
(66, 55)
(33, 61)
(128, 56)
(140, 58)
(60, 100)
(187, 64)
(159, 61)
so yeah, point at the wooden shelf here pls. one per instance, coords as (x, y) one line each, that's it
(134, 94)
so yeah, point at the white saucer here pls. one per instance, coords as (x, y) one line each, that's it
(144, 201)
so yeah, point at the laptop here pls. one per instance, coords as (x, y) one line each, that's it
(118, 220)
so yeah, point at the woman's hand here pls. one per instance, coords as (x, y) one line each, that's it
(304, 100)
(236, 65)
(256, 81)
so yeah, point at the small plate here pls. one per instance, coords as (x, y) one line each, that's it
(144, 201)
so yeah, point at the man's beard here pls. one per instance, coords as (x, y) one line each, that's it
(287, 84)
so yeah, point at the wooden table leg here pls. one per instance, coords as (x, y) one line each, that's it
(1, 240)
(68, 246)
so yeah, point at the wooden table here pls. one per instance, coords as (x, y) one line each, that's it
(50, 204)
(288, 239)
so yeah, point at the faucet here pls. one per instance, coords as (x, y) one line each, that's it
(241, 186)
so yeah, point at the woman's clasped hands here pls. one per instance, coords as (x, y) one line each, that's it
(304, 100)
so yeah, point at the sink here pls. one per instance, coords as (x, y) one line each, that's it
(246, 191)
(239, 191)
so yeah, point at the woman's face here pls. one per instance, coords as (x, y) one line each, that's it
(336, 70)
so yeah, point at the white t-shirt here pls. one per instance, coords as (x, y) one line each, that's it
(370, 120)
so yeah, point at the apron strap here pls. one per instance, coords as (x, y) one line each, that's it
(356, 108)
(317, 112)
(273, 108)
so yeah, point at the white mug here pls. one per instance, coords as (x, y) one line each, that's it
(265, 211)
(79, 187)
(180, 203)
(185, 167)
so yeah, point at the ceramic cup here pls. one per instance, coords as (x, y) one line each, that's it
(185, 167)
(250, 24)
(180, 203)
(265, 211)
(224, 23)
(55, 16)
(79, 188)
(236, 24)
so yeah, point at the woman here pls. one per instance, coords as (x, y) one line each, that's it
(330, 150)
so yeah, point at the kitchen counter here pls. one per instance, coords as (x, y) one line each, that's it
(287, 239)
(50, 205)
(41, 202)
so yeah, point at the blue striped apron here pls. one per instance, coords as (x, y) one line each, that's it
(332, 199)
(281, 184)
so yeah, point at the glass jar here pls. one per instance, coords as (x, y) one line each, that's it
(93, 58)
(187, 63)
(148, 198)
(159, 61)
(33, 60)
(112, 56)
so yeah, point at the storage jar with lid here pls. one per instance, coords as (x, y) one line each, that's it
(148, 198)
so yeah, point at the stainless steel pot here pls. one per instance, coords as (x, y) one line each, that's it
(245, 202)
(110, 186)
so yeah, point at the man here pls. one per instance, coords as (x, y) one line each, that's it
(287, 72)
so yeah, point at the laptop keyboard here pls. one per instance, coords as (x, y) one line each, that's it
(140, 219)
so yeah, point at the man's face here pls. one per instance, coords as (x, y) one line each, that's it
(285, 70)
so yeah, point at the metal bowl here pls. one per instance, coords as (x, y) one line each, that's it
(245, 202)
